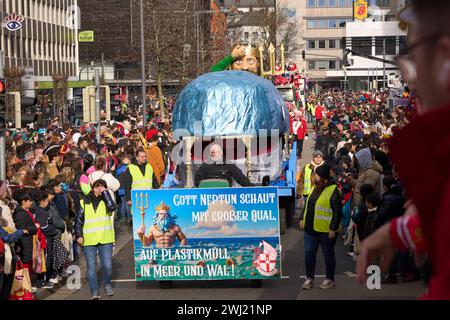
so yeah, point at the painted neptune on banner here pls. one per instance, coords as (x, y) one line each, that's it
(164, 230)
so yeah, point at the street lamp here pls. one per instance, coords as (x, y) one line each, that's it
(144, 89)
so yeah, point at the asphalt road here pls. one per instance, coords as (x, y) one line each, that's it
(289, 287)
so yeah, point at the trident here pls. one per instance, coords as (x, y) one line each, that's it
(271, 71)
(142, 208)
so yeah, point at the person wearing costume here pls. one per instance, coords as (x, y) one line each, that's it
(245, 58)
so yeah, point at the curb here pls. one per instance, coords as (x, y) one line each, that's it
(61, 292)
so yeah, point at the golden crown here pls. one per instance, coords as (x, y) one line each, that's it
(162, 206)
(250, 50)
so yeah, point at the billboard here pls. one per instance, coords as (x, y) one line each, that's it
(360, 10)
(206, 234)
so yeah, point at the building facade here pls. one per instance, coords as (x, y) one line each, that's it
(47, 43)
(116, 28)
(246, 24)
(380, 39)
(323, 24)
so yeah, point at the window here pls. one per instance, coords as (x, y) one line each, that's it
(327, 23)
(311, 44)
(390, 45)
(332, 65)
(332, 44)
(382, 3)
(311, 3)
(311, 24)
(332, 3)
(402, 44)
(246, 35)
(332, 23)
(321, 3)
(362, 45)
(343, 3)
(255, 36)
(311, 65)
(322, 64)
(321, 44)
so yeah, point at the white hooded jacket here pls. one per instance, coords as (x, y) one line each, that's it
(112, 183)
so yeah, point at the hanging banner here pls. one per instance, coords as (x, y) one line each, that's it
(206, 234)
(360, 10)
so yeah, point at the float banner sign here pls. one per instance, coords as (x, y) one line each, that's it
(206, 234)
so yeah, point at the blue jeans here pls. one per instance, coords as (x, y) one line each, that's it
(312, 242)
(105, 253)
(124, 209)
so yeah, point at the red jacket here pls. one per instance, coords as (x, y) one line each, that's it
(302, 130)
(319, 112)
(291, 121)
(407, 233)
(427, 182)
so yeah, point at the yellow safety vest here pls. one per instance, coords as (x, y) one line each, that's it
(141, 182)
(322, 211)
(313, 110)
(307, 180)
(98, 225)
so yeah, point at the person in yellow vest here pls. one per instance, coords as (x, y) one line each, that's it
(320, 222)
(94, 230)
(305, 180)
(139, 175)
(311, 111)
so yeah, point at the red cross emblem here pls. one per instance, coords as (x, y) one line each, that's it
(266, 262)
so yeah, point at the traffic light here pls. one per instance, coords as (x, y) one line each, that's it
(2, 103)
(114, 93)
(303, 54)
(78, 102)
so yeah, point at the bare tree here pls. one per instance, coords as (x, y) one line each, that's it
(13, 75)
(172, 41)
(275, 25)
(281, 26)
(60, 94)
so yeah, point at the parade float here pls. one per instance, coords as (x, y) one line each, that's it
(247, 114)
(223, 232)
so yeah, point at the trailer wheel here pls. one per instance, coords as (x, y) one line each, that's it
(283, 222)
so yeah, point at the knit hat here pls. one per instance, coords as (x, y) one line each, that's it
(317, 153)
(323, 171)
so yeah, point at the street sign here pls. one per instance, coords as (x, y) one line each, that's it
(360, 10)
(28, 82)
(86, 36)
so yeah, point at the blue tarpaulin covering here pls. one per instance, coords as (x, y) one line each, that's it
(230, 103)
